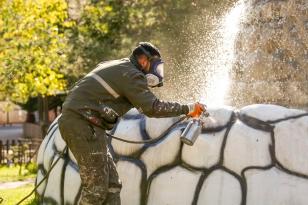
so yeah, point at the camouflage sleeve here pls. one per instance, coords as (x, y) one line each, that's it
(139, 95)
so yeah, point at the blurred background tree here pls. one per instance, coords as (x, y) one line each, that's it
(34, 48)
(110, 29)
(45, 45)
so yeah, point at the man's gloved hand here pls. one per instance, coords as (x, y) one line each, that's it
(196, 109)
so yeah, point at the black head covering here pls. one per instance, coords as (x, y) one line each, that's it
(145, 48)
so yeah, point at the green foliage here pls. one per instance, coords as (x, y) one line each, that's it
(31, 167)
(42, 49)
(33, 47)
(110, 29)
(12, 173)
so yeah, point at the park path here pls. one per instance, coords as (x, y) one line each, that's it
(12, 185)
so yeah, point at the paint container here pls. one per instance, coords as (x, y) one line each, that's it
(191, 132)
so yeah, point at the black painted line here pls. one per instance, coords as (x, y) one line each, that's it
(139, 153)
(72, 164)
(287, 118)
(52, 132)
(220, 127)
(36, 182)
(135, 154)
(51, 126)
(272, 148)
(41, 167)
(233, 119)
(52, 159)
(242, 182)
(78, 195)
(201, 181)
(294, 173)
(49, 139)
(47, 179)
(267, 167)
(192, 168)
(132, 116)
(49, 201)
(163, 136)
(142, 128)
(185, 164)
(199, 187)
(255, 123)
(66, 161)
(279, 165)
(160, 170)
(143, 182)
(214, 129)
(176, 162)
(205, 175)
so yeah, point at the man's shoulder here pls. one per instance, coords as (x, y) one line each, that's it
(122, 69)
(115, 64)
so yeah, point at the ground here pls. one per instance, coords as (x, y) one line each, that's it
(16, 183)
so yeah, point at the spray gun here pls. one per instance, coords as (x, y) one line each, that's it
(193, 129)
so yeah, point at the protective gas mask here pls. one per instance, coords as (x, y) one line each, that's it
(156, 74)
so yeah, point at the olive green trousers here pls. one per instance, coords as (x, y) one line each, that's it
(88, 143)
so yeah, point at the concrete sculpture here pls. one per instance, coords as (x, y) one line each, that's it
(255, 155)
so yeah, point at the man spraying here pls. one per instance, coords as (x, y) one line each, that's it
(95, 104)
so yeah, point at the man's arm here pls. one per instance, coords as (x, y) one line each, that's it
(139, 95)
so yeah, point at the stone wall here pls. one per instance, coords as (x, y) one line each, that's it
(272, 54)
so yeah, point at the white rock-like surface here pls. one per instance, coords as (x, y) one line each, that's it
(154, 158)
(274, 187)
(267, 112)
(245, 147)
(291, 138)
(53, 188)
(155, 127)
(72, 183)
(132, 111)
(40, 154)
(218, 116)
(220, 188)
(54, 123)
(130, 130)
(49, 153)
(131, 176)
(210, 144)
(174, 187)
(59, 142)
(39, 177)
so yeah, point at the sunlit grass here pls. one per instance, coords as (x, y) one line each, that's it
(13, 196)
(15, 173)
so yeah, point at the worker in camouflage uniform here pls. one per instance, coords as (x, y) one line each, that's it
(95, 104)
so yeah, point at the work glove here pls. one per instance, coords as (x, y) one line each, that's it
(196, 109)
